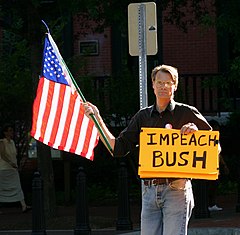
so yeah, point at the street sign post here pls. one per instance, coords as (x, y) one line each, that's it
(150, 29)
(142, 35)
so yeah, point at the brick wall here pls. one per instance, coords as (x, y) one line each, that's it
(194, 52)
(94, 65)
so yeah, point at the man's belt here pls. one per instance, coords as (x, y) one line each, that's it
(159, 181)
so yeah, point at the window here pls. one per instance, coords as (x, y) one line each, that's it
(89, 47)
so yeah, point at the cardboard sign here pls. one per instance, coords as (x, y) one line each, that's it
(167, 153)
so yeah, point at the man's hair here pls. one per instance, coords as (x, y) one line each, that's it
(166, 69)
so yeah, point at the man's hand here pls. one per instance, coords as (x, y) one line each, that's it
(90, 109)
(188, 128)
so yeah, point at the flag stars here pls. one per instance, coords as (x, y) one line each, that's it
(52, 67)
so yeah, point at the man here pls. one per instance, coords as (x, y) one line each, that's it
(166, 203)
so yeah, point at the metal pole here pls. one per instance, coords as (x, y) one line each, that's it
(38, 217)
(200, 192)
(142, 46)
(238, 196)
(82, 216)
(124, 219)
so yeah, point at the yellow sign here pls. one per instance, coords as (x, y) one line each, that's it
(167, 153)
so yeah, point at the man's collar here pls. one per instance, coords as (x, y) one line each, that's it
(170, 107)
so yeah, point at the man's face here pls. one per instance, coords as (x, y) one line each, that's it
(163, 85)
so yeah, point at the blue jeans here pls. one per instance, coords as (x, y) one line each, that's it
(166, 210)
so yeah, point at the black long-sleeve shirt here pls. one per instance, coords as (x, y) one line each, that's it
(176, 114)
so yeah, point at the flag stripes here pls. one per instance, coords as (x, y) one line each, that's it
(59, 120)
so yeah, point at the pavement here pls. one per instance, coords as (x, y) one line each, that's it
(102, 221)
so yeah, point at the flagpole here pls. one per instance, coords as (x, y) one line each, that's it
(106, 142)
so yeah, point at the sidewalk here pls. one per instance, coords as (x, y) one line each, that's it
(103, 221)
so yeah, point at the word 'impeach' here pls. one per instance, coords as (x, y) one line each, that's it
(168, 151)
(180, 139)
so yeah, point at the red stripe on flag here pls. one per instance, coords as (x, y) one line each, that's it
(87, 139)
(57, 115)
(95, 144)
(77, 129)
(36, 106)
(68, 121)
(47, 109)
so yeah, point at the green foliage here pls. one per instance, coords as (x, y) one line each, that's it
(227, 187)
(21, 52)
(99, 195)
(222, 83)
(124, 93)
(235, 71)
(228, 20)
(15, 83)
(234, 124)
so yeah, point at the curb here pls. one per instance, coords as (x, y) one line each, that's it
(191, 231)
(214, 231)
(205, 231)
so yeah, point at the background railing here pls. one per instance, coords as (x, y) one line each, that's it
(207, 94)
(194, 91)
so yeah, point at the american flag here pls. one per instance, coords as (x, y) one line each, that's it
(58, 114)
